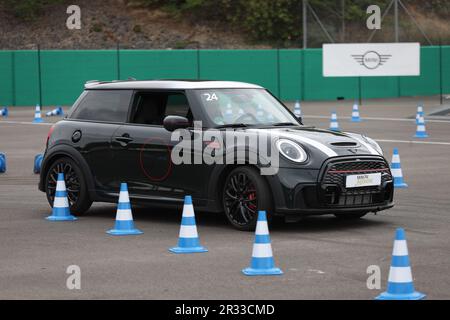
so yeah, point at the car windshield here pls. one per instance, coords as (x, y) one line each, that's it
(241, 107)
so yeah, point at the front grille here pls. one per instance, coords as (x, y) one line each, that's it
(334, 193)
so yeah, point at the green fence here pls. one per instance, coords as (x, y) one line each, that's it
(289, 74)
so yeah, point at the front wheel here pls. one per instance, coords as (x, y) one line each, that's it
(76, 186)
(244, 193)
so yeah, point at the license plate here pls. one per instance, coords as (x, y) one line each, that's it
(363, 180)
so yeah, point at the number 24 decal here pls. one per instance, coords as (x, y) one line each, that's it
(211, 97)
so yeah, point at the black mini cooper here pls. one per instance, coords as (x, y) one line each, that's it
(122, 131)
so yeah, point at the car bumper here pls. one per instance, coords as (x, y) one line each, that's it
(307, 192)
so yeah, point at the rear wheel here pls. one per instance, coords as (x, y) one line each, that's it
(76, 186)
(350, 216)
(244, 193)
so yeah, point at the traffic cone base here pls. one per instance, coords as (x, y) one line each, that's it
(61, 211)
(398, 183)
(124, 228)
(421, 135)
(188, 241)
(410, 296)
(262, 263)
(124, 224)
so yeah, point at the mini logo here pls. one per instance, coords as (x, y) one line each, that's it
(371, 59)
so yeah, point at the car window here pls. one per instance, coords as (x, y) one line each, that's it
(104, 105)
(152, 107)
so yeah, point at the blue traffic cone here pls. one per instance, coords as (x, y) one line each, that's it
(262, 263)
(188, 241)
(37, 163)
(355, 113)
(334, 126)
(297, 109)
(124, 218)
(4, 112)
(400, 283)
(397, 170)
(419, 113)
(37, 115)
(421, 131)
(55, 112)
(61, 211)
(2, 163)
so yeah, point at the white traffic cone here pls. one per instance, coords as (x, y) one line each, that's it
(37, 115)
(124, 218)
(61, 211)
(334, 126)
(188, 241)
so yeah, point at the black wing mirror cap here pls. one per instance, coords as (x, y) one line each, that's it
(172, 123)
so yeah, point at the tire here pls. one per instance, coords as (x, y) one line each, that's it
(350, 216)
(242, 203)
(77, 192)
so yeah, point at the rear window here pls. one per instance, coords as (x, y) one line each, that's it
(103, 105)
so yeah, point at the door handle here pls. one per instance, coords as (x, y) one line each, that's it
(125, 138)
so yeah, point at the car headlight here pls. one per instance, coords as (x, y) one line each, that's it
(374, 144)
(291, 150)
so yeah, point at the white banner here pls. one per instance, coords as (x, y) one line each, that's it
(371, 59)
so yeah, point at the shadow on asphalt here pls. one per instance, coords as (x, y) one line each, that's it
(306, 225)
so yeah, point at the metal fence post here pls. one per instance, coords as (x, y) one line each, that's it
(39, 74)
(118, 60)
(13, 76)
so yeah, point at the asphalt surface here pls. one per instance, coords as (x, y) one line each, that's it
(322, 258)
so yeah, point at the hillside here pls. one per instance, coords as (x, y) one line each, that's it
(157, 26)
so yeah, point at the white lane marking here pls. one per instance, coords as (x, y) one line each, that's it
(414, 142)
(23, 122)
(382, 119)
(316, 271)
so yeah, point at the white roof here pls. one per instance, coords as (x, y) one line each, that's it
(169, 84)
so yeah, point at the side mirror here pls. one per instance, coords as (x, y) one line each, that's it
(172, 123)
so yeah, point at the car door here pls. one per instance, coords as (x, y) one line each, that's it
(143, 148)
(99, 114)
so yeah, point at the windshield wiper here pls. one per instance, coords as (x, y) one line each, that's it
(233, 125)
(280, 124)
